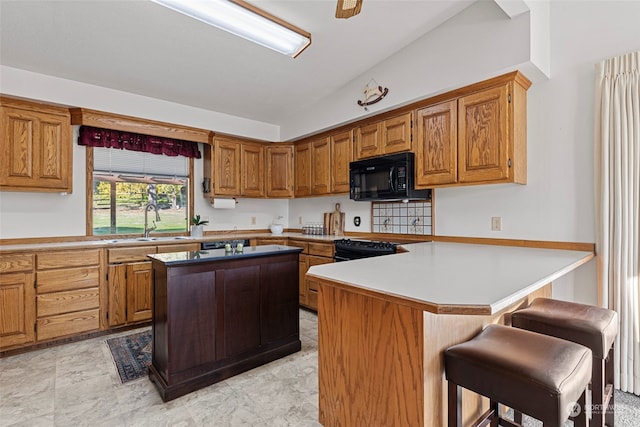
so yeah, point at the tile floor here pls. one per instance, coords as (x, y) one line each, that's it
(77, 385)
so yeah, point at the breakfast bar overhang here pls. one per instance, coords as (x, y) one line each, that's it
(384, 322)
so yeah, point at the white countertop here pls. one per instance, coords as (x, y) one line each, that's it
(456, 277)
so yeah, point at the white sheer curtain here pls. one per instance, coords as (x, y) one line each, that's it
(617, 195)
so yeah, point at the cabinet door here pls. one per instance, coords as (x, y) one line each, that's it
(341, 155)
(252, 179)
(279, 300)
(303, 169)
(241, 309)
(303, 266)
(36, 150)
(396, 134)
(117, 290)
(139, 291)
(368, 141)
(321, 166)
(483, 136)
(17, 316)
(437, 145)
(280, 171)
(227, 167)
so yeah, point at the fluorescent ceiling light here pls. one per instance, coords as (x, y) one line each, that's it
(245, 20)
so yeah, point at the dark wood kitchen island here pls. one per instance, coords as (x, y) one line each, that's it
(217, 314)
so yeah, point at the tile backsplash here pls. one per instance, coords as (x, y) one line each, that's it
(401, 218)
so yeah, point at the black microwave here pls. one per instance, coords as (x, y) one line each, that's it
(384, 178)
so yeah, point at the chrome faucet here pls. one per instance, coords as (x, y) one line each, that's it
(147, 208)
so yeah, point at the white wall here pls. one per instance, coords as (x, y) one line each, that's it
(557, 202)
(478, 43)
(312, 209)
(36, 86)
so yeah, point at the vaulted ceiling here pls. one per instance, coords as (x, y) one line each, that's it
(144, 48)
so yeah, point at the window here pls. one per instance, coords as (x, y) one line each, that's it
(128, 184)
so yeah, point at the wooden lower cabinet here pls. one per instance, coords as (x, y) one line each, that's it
(130, 286)
(269, 241)
(67, 293)
(17, 307)
(130, 282)
(313, 253)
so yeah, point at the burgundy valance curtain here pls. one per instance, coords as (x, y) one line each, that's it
(98, 137)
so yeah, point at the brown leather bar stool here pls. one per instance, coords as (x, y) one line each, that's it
(593, 327)
(535, 374)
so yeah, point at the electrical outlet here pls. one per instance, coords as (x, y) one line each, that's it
(300, 220)
(253, 220)
(496, 223)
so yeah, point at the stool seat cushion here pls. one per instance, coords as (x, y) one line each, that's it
(539, 375)
(591, 326)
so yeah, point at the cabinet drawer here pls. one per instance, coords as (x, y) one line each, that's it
(67, 279)
(299, 244)
(17, 262)
(68, 324)
(317, 260)
(188, 247)
(130, 254)
(321, 249)
(262, 242)
(65, 302)
(61, 259)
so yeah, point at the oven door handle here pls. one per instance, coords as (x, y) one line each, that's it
(338, 258)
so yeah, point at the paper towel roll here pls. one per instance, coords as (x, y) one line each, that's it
(224, 203)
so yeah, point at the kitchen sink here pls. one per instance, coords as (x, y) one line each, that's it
(147, 239)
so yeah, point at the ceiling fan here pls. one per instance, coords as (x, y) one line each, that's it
(348, 8)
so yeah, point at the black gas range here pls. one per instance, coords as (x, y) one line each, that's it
(347, 249)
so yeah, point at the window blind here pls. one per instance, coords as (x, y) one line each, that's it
(116, 161)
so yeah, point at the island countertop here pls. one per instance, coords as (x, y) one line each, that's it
(454, 278)
(176, 258)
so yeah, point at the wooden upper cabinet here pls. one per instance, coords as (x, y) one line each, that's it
(476, 138)
(385, 137)
(368, 141)
(321, 166)
(302, 160)
(226, 171)
(35, 147)
(437, 145)
(396, 134)
(341, 156)
(279, 177)
(487, 148)
(252, 167)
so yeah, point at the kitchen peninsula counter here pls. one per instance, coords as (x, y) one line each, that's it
(454, 278)
(384, 322)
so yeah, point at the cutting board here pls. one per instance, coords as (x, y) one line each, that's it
(336, 222)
